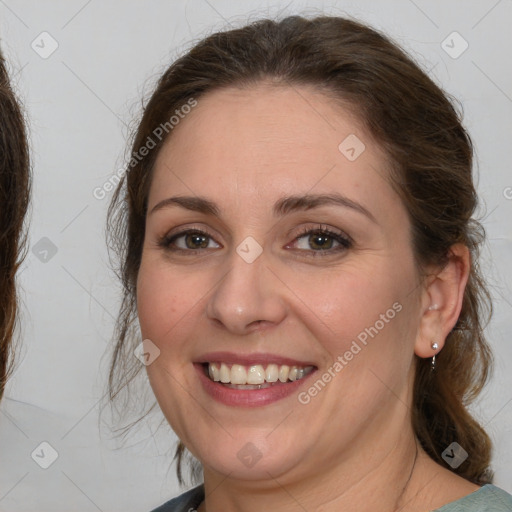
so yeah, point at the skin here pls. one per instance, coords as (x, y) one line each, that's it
(244, 150)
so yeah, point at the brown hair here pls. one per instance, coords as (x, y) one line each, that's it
(14, 200)
(419, 128)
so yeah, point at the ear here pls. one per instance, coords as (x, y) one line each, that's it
(442, 301)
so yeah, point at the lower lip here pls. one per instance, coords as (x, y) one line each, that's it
(248, 397)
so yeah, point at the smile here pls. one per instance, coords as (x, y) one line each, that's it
(256, 376)
(252, 379)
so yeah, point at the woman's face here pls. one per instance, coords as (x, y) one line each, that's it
(273, 240)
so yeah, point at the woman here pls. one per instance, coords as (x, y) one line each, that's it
(298, 247)
(14, 197)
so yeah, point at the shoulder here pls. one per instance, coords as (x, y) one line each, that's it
(186, 502)
(488, 498)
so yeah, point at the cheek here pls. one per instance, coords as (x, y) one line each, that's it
(164, 310)
(168, 302)
(360, 317)
(158, 305)
(343, 302)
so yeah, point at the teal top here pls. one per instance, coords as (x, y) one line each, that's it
(488, 498)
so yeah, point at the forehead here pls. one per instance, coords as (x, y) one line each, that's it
(276, 116)
(270, 140)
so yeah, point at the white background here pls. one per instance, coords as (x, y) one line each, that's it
(80, 101)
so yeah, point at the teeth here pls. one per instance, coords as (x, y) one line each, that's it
(253, 377)
(238, 374)
(225, 374)
(272, 373)
(214, 372)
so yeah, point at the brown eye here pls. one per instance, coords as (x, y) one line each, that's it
(321, 241)
(196, 241)
(189, 241)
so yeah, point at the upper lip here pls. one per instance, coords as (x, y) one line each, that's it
(262, 358)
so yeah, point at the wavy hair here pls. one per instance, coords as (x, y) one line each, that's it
(15, 182)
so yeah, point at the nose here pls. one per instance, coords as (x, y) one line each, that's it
(248, 297)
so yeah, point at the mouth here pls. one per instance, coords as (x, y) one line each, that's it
(254, 380)
(256, 376)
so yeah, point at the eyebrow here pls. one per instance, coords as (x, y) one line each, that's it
(282, 207)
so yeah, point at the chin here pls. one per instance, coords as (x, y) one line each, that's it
(249, 455)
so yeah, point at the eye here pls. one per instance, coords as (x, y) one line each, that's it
(190, 240)
(322, 241)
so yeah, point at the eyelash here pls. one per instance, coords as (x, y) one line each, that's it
(345, 242)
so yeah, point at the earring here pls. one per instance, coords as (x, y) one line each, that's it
(434, 346)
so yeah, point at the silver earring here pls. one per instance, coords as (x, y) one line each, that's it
(434, 346)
